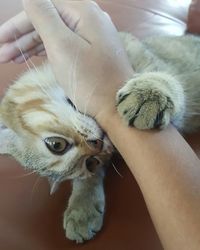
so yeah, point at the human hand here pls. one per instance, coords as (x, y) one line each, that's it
(82, 46)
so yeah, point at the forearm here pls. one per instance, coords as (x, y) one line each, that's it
(168, 173)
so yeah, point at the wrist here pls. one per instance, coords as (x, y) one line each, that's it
(107, 118)
(108, 114)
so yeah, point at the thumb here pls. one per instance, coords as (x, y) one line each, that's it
(48, 23)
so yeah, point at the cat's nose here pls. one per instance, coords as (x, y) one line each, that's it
(96, 145)
(91, 164)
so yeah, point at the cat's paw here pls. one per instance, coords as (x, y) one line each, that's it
(149, 101)
(83, 221)
(145, 108)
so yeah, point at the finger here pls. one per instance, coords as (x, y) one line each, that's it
(11, 50)
(38, 50)
(47, 22)
(15, 28)
(85, 18)
(42, 53)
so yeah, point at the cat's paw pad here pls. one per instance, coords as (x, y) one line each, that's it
(83, 222)
(144, 108)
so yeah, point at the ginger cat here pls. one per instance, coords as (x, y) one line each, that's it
(42, 129)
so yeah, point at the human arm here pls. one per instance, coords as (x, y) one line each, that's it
(139, 141)
(168, 174)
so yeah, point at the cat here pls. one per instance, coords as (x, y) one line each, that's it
(43, 130)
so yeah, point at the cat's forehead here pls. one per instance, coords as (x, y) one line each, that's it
(59, 117)
(39, 115)
(36, 103)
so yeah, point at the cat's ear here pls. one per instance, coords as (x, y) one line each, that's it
(7, 136)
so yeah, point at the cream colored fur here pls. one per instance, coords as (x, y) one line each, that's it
(165, 88)
(35, 108)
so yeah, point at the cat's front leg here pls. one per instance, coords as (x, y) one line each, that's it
(84, 215)
(151, 100)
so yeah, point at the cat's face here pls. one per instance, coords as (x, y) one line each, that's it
(43, 131)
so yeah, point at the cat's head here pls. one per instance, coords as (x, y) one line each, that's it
(42, 130)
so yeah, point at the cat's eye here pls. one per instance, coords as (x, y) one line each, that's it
(57, 145)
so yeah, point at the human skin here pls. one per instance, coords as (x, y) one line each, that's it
(165, 167)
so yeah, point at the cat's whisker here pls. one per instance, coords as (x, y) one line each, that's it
(71, 84)
(39, 84)
(193, 113)
(193, 102)
(34, 67)
(116, 170)
(23, 175)
(18, 46)
(27, 64)
(74, 76)
(34, 187)
(75, 121)
(89, 99)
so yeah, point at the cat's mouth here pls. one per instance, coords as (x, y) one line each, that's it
(54, 179)
(85, 168)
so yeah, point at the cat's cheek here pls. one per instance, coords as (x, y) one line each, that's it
(6, 140)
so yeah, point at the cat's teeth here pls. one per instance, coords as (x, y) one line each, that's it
(54, 184)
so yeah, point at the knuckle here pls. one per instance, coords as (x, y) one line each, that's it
(43, 5)
(93, 2)
(89, 4)
(36, 38)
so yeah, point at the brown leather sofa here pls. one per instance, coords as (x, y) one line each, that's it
(31, 219)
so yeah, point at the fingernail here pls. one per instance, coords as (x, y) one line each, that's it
(41, 53)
